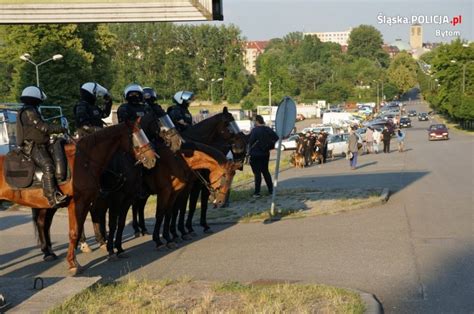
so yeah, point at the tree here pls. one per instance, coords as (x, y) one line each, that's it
(85, 48)
(366, 41)
(402, 72)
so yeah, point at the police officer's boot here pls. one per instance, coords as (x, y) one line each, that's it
(55, 197)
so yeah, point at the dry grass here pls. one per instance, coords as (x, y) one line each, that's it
(188, 296)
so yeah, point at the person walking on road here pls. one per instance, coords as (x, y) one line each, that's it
(353, 148)
(400, 140)
(369, 138)
(262, 140)
(377, 139)
(386, 136)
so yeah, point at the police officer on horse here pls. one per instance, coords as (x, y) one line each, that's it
(87, 113)
(33, 138)
(179, 112)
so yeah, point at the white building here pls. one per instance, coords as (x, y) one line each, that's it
(252, 50)
(340, 38)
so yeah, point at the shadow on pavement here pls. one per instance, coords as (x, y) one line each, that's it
(367, 164)
(395, 181)
(12, 221)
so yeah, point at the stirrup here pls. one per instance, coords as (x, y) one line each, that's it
(57, 199)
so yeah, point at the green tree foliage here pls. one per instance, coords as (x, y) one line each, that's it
(366, 41)
(173, 57)
(86, 52)
(402, 72)
(443, 86)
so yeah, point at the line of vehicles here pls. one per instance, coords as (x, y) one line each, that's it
(393, 115)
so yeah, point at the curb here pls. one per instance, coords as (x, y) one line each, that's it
(385, 195)
(372, 304)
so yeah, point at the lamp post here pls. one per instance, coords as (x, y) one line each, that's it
(269, 92)
(211, 83)
(27, 57)
(377, 103)
(464, 66)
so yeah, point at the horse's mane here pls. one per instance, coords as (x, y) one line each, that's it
(211, 151)
(105, 134)
(201, 130)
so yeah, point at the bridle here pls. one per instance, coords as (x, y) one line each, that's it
(208, 184)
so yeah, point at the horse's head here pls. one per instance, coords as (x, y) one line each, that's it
(144, 153)
(220, 182)
(230, 132)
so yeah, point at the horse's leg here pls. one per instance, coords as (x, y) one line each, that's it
(171, 218)
(77, 213)
(204, 204)
(39, 216)
(193, 198)
(159, 215)
(182, 215)
(112, 227)
(122, 217)
(47, 227)
(98, 211)
(138, 209)
(85, 248)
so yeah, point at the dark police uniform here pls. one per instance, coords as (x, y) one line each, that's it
(130, 113)
(33, 137)
(176, 113)
(88, 116)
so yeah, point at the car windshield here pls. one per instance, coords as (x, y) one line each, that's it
(437, 127)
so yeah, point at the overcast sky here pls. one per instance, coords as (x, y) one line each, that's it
(266, 19)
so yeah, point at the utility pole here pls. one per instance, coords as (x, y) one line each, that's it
(269, 92)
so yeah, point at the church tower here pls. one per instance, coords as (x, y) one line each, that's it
(416, 36)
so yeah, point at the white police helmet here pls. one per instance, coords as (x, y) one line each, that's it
(33, 93)
(95, 89)
(133, 91)
(183, 97)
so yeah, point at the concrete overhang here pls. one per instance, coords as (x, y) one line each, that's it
(108, 11)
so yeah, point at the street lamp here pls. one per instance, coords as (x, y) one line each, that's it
(464, 65)
(211, 83)
(377, 82)
(27, 57)
(269, 92)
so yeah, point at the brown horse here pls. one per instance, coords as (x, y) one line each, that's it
(173, 182)
(88, 158)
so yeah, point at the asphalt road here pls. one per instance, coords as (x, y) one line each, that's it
(415, 253)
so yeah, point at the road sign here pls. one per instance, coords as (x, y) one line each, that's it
(285, 117)
(284, 123)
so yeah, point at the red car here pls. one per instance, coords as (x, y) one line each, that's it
(438, 132)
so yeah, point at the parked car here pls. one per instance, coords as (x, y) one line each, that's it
(405, 122)
(438, 132)
(423, 116)
(300, 117)
(337, 144)
(412, 113)
(289, 143)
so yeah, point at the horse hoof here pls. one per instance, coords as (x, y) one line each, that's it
(145, 232)
(186, 237)
(208, 230)
(171, 245)
(85, 248)
(50, 257)
(73, 271)
(137, 234)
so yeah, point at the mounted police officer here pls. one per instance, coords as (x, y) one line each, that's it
(134, 107)
(179, 112)
(33, 138)
(87, 114)
(168, 131)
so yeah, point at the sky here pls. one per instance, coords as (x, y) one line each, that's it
(265, 19)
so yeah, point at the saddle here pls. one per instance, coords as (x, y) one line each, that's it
(20, 171)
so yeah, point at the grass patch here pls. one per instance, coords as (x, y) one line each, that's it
(167, 296)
